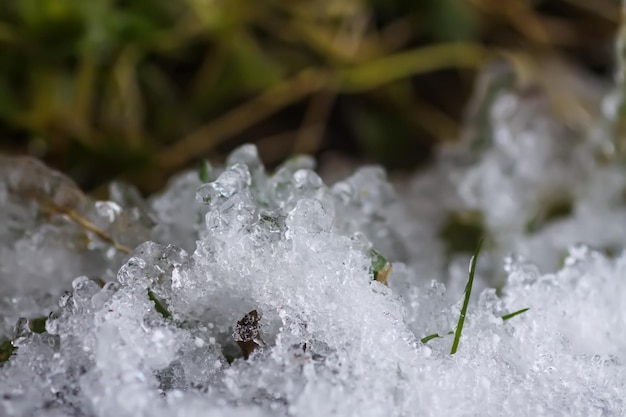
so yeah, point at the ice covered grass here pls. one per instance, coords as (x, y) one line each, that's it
(326, 337)
(237, 291)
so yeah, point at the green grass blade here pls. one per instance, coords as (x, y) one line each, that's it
(468, 293)
(515, 313)
(159, 306)
(204, 172)
(506, 317)
(433, 336)
(430, 337)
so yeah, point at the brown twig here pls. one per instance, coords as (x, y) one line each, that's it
(359, 78)
(412, 62)
(72, 199)
(310, 135)
(347, 39)
(87, 225)
(242, 117)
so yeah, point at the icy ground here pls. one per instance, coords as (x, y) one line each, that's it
(238, 292)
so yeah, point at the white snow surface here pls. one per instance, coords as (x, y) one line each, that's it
(332, 341)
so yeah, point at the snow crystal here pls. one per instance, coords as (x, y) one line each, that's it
(238, 291)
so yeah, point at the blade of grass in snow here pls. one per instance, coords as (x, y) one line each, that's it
(468, 293)
(433, 336)
(204, 173)
(515, 313)
(158, 304)
(504, 318)
(430, 337)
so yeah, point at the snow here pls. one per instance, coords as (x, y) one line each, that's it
(254, 294)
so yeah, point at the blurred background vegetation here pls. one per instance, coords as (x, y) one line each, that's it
(140, 89)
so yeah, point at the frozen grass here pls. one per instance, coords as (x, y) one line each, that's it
(237, 291)
(468, 293)
(286, 306)
(158, 305)
(466, 299)
(513, 314)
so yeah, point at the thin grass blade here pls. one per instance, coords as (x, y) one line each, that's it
(515, 313)
(468, 293)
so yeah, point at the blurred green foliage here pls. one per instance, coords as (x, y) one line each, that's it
(108, 88)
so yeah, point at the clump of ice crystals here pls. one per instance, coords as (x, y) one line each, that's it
(156, 297)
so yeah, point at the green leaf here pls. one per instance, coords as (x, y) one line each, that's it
(159, 305)
(380, 267)
(468, 293)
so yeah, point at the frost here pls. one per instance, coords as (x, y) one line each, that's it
(238, 291)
